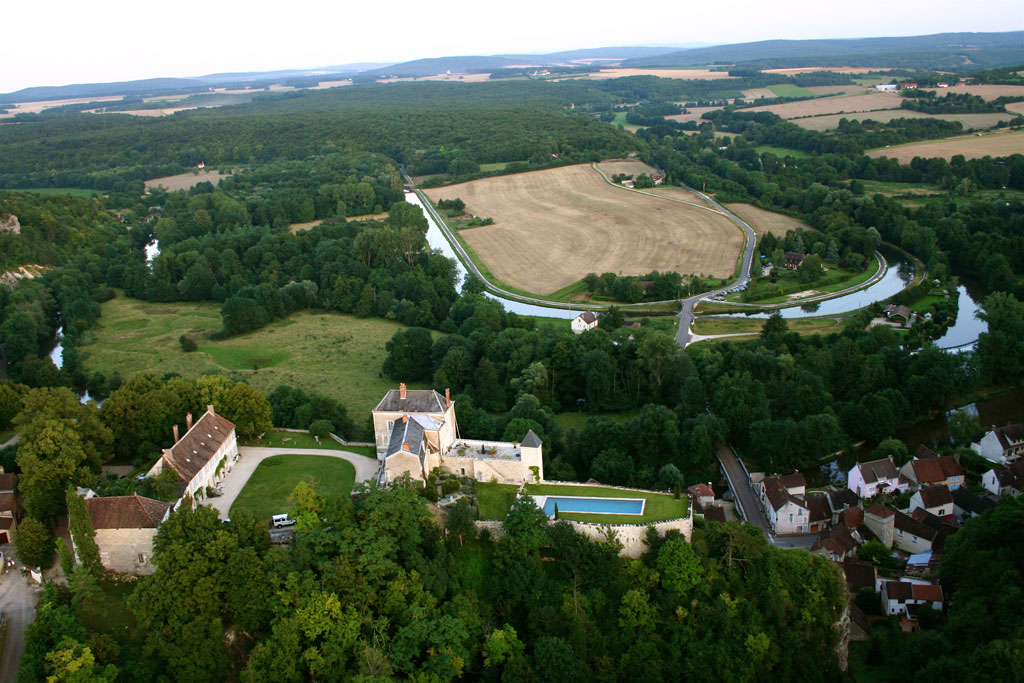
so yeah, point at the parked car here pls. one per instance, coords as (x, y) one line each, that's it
(281, 520)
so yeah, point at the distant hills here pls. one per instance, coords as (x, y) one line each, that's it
(961, 52)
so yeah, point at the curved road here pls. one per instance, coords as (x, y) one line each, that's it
(683, 335)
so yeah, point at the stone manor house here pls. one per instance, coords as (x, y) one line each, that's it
(416, 431)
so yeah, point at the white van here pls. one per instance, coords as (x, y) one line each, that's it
(282, 520)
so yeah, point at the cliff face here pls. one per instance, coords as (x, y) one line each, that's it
(9, 223)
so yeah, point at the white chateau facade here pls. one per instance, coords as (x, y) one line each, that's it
(415, 431)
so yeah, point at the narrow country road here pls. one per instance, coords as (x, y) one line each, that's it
(251, 456)
(683, 335)
(18, 602)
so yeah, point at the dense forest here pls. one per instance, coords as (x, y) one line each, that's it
(376, 586)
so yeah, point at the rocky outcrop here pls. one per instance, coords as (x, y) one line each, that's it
(9, 280)
(9, 223)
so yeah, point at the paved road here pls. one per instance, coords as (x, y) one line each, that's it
(741, 487)
(251, 456)
(683, 335)
(18, 602)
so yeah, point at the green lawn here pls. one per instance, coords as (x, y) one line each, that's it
(281, 439)
(781, 151)
(763, 291)
(497, 166)
(266, 493)
(73, 191)
(790, 90)
(115, 614)
(337, 355)
(493, 500)
(805, 326)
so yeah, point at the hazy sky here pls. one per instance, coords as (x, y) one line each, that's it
(57, 42)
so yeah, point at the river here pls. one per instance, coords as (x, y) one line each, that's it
(437, 242)
(963, 333)
(57, 358)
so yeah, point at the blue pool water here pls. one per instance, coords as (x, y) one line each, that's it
(611, 506)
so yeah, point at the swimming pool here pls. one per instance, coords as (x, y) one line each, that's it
(606, 506)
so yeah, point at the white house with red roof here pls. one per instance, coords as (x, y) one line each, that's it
(202, 456)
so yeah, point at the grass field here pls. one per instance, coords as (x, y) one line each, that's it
(763, 221)
(832, 105)
(1001, 144)
(277, 438)
(988, 92)
(494, 499)
(694, 114)
(781, 151)
(266, 493)
(552, 227)
(753, 325)
(968, 121)
(790, 90)
(73, 191)
(184, 181)
(332, 354)
(788, 288)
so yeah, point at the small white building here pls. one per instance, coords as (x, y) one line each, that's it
(1005, 480)
(903, 597)
(937, 500)
(886, 87)
(203, 456)
(1002, 444)
(869, 479)
(583, 322)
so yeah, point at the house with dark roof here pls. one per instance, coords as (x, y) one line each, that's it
(836, 544)
(913, 536)
(902, 597)
(1005, 480)
(937, 500)
(1002, 444)
(879, 521)
(416, 432)
(794, 259)
(789, 509)
(714, 513)
(841, 500)
(586, 320)
(859, 574)
(932, 471)
(969, 504)
(202, 456)
(899, 314)
(125, 528)
(8, 506)
(869, 479)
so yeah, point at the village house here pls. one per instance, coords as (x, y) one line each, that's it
(702, 494)
(928, 468)
(125, 528)
(583, 322)
(841, 500)
(1002, 444)
(202, 456)
(879, 521)
(794, 259)
(869, 479)
(904, 598)
(789, 509)
(8, 504)
(836, 544)
(911, 535)
(900, 314)
(1005, 480)
(416, 432)
(968, 504)
(935, 499)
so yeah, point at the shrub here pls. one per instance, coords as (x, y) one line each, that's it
(188, 344)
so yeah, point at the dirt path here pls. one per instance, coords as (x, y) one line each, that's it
(251, 456)
(18, 602)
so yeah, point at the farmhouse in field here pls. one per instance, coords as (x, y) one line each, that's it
(416, 431)
(125, 527)
(583, 322)
(1002, 444)
(201, 457)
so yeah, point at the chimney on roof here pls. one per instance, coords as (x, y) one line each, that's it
(447, 397)
(188, 421)
(175, 430)
(402, 391)
(405, 417)
(209, 409)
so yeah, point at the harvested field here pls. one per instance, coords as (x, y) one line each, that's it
(694, 115)
(685, 74)
(766, 221)
(988, 92)
(832, 105)
(968, 121)
(851, 89)
(1015, 107)
(323, 85)
(37, 107)
(553, 227)
(834, 69)
(184, 181)
(971, 146)
(144, 112)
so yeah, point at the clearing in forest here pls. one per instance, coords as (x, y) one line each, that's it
(1001, 144)
(552, 227)
(763, 221)
(184, 181)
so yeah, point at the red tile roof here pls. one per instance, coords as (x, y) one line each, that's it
(6, 502)
(927, 592)
(126, 512)
(194, 450)
(934, 470)
(859, 574)
(934, 496)
(8, 481)
(852, 518)
(702, 490)
(794, 480)
(880, 510)
(714, 513)
(899, 590)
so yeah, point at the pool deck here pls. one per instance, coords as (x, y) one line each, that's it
(542, 501)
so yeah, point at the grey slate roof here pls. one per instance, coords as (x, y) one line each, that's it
(971, 502)
(410, 432)
(531, 440)
(415, 401)
(877, 470)
(1010, 435)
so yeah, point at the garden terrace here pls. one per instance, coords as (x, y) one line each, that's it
(494, 500)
